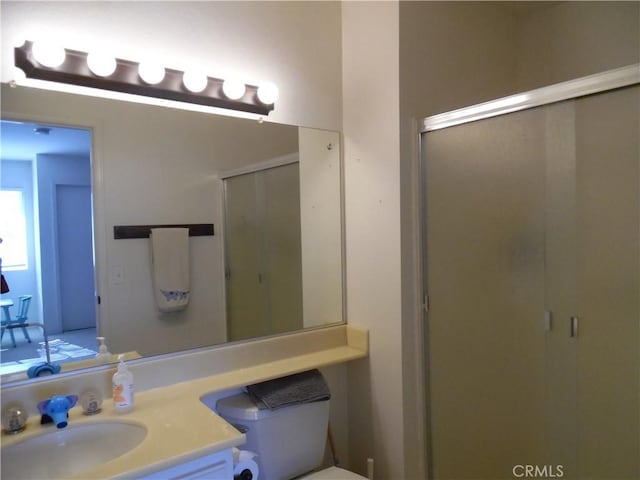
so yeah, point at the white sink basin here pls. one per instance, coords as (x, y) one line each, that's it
(70, 451)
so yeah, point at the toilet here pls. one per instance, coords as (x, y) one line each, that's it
(289, 441)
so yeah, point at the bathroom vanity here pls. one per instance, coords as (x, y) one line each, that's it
(182, 437)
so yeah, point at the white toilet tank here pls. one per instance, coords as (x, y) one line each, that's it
(289, 441)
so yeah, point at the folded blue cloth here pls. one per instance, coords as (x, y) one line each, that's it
(294, 389)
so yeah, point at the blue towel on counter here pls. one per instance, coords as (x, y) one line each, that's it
(294, 389)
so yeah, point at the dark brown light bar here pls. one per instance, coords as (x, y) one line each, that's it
(75, 71)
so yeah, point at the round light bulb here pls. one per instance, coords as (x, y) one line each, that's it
(48, 54)
(151, 73)
(233, 88)
(18, 75)
(101, 64)
(195, 81)
(267, 93)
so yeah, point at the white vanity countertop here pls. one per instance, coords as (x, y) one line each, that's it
(180, 427)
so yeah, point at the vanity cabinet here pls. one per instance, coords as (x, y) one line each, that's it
(215, 466)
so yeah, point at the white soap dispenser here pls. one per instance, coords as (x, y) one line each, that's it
(103, 355)
(122, 388)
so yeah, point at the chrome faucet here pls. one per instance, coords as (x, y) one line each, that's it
(45, 368)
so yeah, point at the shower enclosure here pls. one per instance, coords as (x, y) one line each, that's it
(531, 223)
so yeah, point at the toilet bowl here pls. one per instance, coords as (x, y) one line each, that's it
(289, 441)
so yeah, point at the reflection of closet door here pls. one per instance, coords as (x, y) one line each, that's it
(282, 253)
(485, 276)
(263, 252)
(246, 312)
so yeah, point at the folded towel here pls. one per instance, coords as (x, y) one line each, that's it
(302, 387)
(170, 265)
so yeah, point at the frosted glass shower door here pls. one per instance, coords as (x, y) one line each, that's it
(263, 253)
(485, 235)
(532, 227)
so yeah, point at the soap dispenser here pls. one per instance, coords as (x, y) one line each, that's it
(122, 388)
(103, 355)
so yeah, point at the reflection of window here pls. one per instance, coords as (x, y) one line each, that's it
(13, 231)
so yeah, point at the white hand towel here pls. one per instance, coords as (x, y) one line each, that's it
(170, 265)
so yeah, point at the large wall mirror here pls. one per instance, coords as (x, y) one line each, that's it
(272, 192)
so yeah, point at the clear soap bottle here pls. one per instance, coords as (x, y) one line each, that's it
(103, 355)
(122, 388)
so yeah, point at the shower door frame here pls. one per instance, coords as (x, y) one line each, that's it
(572, 89)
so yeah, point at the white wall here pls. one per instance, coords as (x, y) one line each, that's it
(321, 226)
(372, 148)
(294, 44)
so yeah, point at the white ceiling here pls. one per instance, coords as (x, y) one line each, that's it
(19, 141)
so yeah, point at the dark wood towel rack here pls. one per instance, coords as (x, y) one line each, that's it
(143, 231)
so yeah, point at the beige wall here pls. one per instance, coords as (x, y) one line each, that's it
(574, 39)
(371, 109)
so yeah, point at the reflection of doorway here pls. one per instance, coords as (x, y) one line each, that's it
(52, 166)
(75, 257)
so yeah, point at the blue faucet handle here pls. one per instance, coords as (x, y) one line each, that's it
(57, 409)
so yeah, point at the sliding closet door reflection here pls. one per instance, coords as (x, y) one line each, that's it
(263, 253)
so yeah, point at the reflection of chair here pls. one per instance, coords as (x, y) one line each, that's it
(23, 308)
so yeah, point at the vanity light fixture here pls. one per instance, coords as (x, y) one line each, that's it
(42, 62)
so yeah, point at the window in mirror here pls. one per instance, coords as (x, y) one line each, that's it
(13, 231)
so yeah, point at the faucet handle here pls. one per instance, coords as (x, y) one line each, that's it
(91, 402)
(14, 419)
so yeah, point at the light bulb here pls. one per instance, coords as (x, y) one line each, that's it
(151, 73)
(18, 75)
(48, 54)
(233, 88)
(101, 64)
(267, 93)
(195, 81)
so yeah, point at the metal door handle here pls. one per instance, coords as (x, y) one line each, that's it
(573, 328)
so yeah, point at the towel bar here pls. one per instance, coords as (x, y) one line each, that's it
(143, 231)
